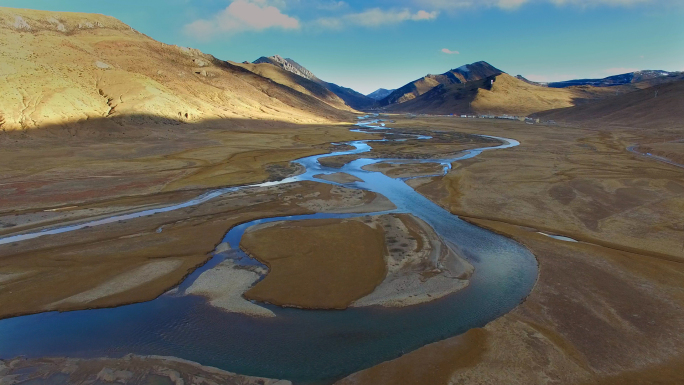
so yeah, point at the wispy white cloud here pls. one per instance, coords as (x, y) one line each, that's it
(450, 52)
(242, 15)
(514, 4)
(331, 5)
(589, 3)
(375, 17)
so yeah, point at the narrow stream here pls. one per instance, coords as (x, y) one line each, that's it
(305, 346)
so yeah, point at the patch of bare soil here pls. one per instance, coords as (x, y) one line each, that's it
(134, 260)
(224, 285)
(342, 200)
(339, 177)
(442, 145)
(406, 170)
(316, 264)
(605, 310)
(673, 151)
(596, 315)
(329, 264)
(420, 266)
(130, 369)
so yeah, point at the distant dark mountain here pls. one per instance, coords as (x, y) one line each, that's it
(497, 95)
(654, 77)
(655, 107)
(352, 98)
(541, 84)
(463, 74)
(380, 93)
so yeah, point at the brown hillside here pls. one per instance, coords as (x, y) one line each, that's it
(463, 74)
(296, 82)
(62, 67)
(502, 94)
(350, 97)
(637, 109)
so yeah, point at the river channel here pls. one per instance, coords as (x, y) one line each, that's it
(304, 346)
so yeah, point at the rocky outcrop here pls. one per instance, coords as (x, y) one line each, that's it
(287, 64)
(352, 98)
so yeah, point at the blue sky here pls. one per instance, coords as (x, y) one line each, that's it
(381, 43)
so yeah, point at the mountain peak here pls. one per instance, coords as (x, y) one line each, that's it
(380, 93)
(351, 97)
(288, 65)
(652, 76)
(463, 74)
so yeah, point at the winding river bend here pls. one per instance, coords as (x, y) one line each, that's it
(305, 346)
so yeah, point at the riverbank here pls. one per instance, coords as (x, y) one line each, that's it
(424, 279)
(129, 369)
(605, 310)
(316, 264)
(88, 165)
(136, 260)
(393, 260)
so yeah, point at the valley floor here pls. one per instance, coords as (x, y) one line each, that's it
(607, 309)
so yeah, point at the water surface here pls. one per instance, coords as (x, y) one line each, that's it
(305, 346)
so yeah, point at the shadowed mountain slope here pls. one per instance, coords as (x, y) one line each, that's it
(658, 106)
(646, 77)
(297, 82)
(500, 94)
(64, 67)
(380, 93)
(463, 74)
(352, 98)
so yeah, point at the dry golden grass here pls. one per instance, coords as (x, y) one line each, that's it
(317, 264)
(582, 183)
(432, 365)
(607, 310)
(142, 369)
(296, 82)
(42, 273)
(502, 94)
(514, 96)
(657, 107)
(54, 167)
(673, 151)
(65, 67)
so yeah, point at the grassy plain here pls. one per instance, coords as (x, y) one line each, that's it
(317, 264)
(607, 309)
(134, 260)
(387, 260)
(604, 310)
(61, 167)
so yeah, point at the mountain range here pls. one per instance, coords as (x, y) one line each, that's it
(380, 93)
(495, 95)
(652, 76)
(463, 74)
(655, 107)
(352, 98)
(104, 68)
(63, 68)
(480, 88)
